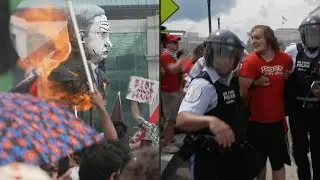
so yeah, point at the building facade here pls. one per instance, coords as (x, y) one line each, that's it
(189, 40)
(286, 36)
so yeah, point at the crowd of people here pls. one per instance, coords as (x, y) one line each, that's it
(234, 106)
(104, 160)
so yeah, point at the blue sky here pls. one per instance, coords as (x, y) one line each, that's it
(239, 15)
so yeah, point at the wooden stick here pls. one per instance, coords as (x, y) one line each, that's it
(75, 111)
(82, 52)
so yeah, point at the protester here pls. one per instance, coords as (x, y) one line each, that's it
(148, 131)
(262, 77)
(104, 161)
(197, 53)
(144, 166)
(170, 86)
(122, 131)
(70, 164)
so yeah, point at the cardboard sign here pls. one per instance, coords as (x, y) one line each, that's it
(142, 90)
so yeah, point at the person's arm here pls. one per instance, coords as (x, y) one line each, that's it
(288, 68)
(191, 122)
(194, 105)
(173, 68)
(245, 84)
(247, 74)
(135, 110)
(135, 145)
(109, 130)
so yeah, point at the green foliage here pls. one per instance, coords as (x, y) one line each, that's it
(6, 82)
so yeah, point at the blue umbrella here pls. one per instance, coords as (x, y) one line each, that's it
(35, 131)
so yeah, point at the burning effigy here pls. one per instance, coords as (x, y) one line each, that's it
(58, 70)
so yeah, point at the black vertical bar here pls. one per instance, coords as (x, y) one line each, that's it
(209, 15)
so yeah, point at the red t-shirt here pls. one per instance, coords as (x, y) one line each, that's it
(266, 103)
(188, 64)
(169, 82)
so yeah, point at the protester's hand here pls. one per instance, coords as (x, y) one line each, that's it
(65, 176)
(287, 74)
(97, 99)
(222, 131)
(262, 81)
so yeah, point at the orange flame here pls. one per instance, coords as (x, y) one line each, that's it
(51, 24)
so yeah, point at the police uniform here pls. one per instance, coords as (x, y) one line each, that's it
(208, 94)
(303, 109)
(194, 72)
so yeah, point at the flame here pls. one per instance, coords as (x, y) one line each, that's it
(51, 24)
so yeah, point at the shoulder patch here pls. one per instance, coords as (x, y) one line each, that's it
(193, 94)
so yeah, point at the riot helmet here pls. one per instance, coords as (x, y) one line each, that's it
(223, 44)
(310, 31)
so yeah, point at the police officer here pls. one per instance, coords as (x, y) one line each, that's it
(303, 102)
(200, 64)
(210, 111)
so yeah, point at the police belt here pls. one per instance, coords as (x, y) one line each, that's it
(308, 99)
(209, 143)
(309, 103)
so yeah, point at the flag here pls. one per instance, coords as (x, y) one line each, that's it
(117, 114)
(284, 19)
(154, 119)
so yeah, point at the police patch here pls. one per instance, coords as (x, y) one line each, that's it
(193, 94)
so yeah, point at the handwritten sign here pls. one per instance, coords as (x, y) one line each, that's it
(142, 90)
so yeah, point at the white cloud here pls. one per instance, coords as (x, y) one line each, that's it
(248, 13)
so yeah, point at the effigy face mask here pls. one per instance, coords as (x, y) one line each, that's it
(97, 42)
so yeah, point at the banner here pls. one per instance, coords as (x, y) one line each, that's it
(142, 90)
(117, 114)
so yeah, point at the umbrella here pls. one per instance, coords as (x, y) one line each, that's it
(36, 132)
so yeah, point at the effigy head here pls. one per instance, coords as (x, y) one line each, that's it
(94, 30)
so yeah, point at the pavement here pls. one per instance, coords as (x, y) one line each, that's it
(171, 165)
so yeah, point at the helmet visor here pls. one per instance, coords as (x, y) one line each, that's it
(226, 50)
(312, 35)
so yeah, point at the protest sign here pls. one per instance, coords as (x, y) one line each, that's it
(142, 90)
